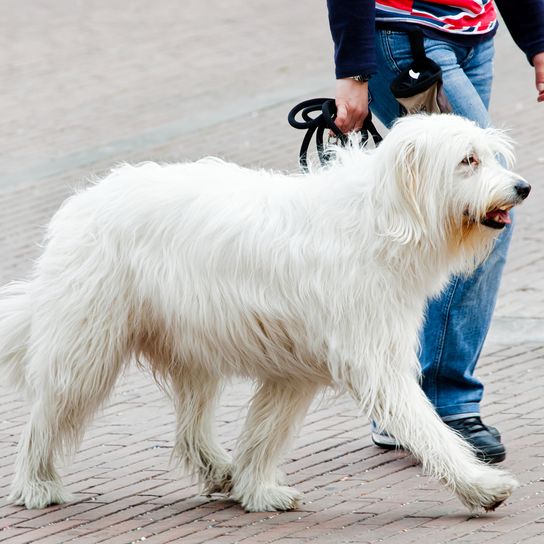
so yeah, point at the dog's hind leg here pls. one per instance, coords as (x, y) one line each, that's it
(71, 372)
(275, 411)
(195, 396)
(410, 417)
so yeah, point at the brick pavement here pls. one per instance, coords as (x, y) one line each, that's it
(86, 85)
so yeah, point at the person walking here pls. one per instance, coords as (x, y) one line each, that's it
(371, 48)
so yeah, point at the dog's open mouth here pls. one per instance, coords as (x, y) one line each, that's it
(497, 218)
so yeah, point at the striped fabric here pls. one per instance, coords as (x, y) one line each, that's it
(456, 16)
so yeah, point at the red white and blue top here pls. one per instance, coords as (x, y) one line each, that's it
(466, 22)
(459, 17)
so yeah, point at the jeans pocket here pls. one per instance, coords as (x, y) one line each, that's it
(396, 49)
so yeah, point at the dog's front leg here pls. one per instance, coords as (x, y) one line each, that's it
(275, 411)
(402, 407)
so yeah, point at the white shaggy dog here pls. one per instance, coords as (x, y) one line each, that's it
(209, 270)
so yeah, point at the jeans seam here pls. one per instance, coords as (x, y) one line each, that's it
(389, 52)
(442, 340)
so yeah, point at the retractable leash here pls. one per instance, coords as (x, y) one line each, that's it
(322, 122)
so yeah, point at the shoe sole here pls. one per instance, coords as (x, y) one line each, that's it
(385, 442)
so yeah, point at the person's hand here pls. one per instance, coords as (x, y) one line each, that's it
(538, 61)
(351, 104)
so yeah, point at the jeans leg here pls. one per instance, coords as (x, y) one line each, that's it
(455, 328)
(457, 321)
(478, 67)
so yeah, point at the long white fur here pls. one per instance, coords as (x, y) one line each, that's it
(208, 270)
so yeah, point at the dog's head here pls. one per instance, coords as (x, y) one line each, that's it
(448, 181)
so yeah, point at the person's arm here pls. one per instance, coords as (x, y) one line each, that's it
(538, 63)
(525, 21)
(352, 29)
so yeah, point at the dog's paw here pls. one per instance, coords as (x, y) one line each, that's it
(39, 494)
(488, 490)
(269, 499)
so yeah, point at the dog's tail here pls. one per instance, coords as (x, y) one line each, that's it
(15, 318)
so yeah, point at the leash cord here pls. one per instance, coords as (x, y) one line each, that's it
(322, 122)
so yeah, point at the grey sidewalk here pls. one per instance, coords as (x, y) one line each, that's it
(86, 85)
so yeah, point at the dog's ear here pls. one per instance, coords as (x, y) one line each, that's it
(407, 222)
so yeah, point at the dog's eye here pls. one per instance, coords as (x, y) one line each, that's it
(470, 160)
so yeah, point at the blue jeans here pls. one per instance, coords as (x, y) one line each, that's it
(456, 322)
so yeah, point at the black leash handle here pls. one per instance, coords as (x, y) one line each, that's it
(320, 123)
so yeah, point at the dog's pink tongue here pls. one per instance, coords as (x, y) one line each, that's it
(499, 216)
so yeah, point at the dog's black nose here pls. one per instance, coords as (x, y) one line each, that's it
(522, 188)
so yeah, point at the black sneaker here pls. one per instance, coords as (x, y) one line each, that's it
(485, 440)
(495, 432)
(383, 439)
